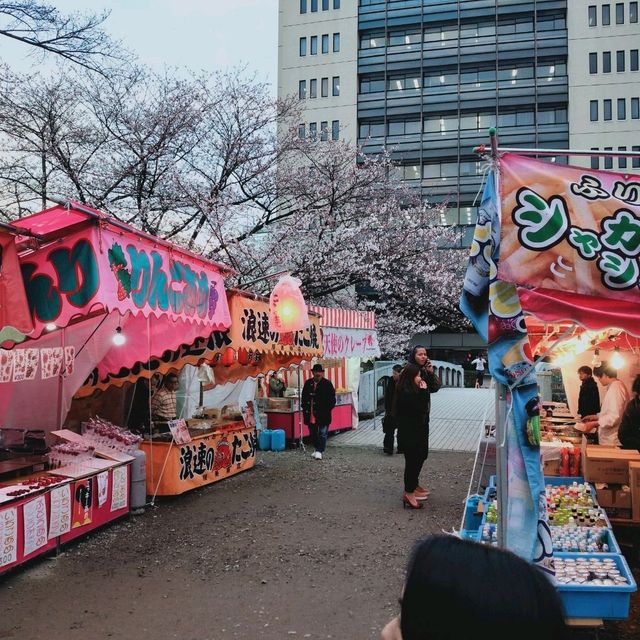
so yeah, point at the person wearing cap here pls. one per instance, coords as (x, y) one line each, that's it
(318, 400)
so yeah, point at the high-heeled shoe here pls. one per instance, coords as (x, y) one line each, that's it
(420, 496)
(406, 502)
(420, 489)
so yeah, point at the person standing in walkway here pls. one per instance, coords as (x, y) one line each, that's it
(480, 364)
(388, 422)
(629, 432)
(589, 397)
(411, 412)
(318, 400)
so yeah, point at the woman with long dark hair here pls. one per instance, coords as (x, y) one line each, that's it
(412, 418)
(456, 589)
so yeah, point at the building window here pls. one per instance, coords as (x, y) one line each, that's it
(595, 160)
(373, 41)
(593, 63)
(622, 109)
(633, 60)
(314, 45)
(335, 86)
(371, 130)
(313, 88)
(608, 160)
(606, 107)
(325, 43)
(336, 4)
(593, 16)
(324, 131)
(324, 88)
(301, 129)
(335, 129)
(622, 161)
(371, 85)
(606, 14)
(606, 62)
(619, 61)
(336, 42)
(303, 46)
(593, 111)
(404, 82)
(303, 9)
(633, 12)
(405, 128)
(620, 13)
(552, 116)
(314, 5)
(635, 162)
(302, 89)
(325, 5)
(635, 108)
(313, 131)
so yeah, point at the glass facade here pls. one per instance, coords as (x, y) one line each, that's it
(434, 75)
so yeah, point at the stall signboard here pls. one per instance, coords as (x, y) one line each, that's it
(35, 525)
(120, 489)
(350, 343)
(179, 431)
(569, 229)
(99, 267)
(15, 319)
(60, 516)
(205, 459)
(82, 503)
(8, 536)
(250, 330)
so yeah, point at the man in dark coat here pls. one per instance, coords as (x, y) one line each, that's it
(589, 397)
(318, 400)
(388, 423)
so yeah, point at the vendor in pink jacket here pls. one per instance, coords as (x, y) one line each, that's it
(607, 421)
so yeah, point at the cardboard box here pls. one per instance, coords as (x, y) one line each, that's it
(634, 485)
(622, 499)
(552, 468)
(605, 497)
(608, 464)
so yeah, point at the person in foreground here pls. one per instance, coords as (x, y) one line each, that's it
(411, 412)
(456, 589)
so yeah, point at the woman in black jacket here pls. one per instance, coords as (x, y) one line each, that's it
(412, 404)
(589, 396)
(629, 431)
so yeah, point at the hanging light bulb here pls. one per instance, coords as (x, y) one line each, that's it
(51, 326)
(617, 361)
(596, 362)
(119, 338)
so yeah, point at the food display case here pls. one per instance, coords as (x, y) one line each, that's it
(285, 414)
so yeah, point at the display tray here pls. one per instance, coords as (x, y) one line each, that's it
(473, 512)
(609, 539)
(597, 601)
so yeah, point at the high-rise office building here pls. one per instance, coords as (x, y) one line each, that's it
(427, 78)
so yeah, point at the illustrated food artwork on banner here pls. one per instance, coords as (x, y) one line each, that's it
(35, 525)
(82, 513)
(179, 431)
(60, 516)
(494, 308)
(570, 229)
(8, 536)
(120, 488)
(93, 268)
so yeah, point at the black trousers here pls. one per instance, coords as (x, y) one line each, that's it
(415, 455)
(389, 430)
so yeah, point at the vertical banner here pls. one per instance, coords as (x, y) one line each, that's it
(8, 536)
(494, 308)
(60, 516)
(82, 503)
(119, 491)
(35, 525)
(103, 487)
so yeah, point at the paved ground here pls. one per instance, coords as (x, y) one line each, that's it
(458, 417)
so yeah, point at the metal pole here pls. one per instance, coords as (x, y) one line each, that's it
(373, 394)
(502, 478)
(301, 442)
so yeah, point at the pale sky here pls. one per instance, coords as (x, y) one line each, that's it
(198, 34)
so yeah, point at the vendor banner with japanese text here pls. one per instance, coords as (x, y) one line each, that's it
(99, 268)
(172, 470)
(350, 343)
(570, 229)
(494, 308)
(250, 330)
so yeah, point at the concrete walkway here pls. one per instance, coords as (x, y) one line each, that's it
(456, 422)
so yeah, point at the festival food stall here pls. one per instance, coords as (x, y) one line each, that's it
(211, 443)
(92, 285)
(553, 272)
(348, 337)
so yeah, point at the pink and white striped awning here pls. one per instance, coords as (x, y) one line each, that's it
(345, 318)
